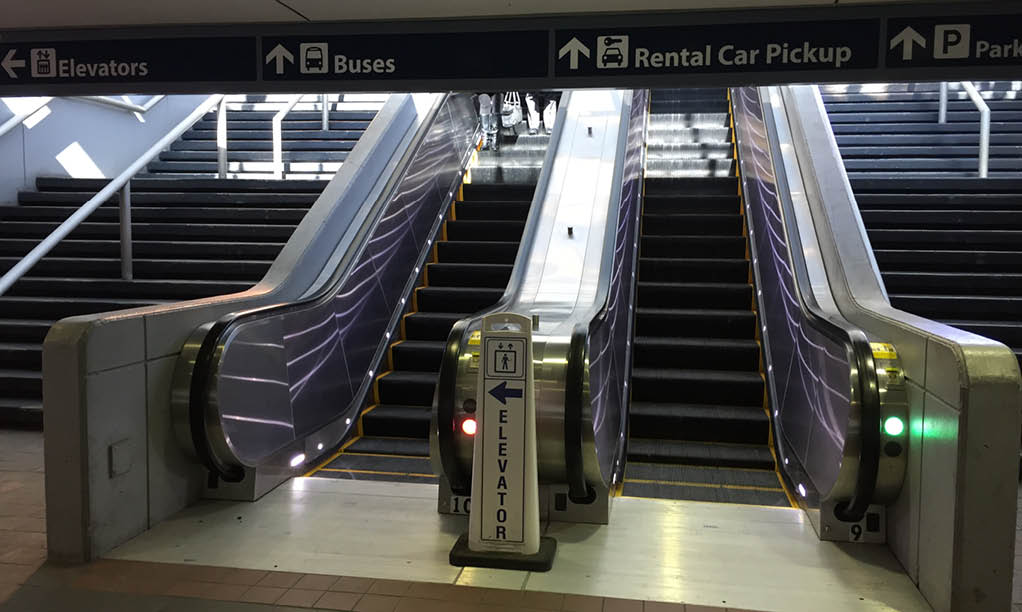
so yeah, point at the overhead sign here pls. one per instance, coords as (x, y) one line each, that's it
(129, 61)
(723, 48)
(424, 56)
(963, 40)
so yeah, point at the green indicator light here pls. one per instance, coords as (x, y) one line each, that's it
(894, 426)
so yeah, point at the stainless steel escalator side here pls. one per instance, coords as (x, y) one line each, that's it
(953, 525)
(282, 384)
(562, 275)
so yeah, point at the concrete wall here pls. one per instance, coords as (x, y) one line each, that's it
(75, 138)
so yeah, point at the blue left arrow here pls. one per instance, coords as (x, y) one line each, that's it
(501, 392)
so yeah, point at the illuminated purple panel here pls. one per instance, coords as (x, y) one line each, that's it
(609, 339)
(297, 368)
(810, 373)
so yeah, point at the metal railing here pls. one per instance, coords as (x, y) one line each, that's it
(278, 135)
(122, 104)
(19, 118)
(122, 184)
(984, 121)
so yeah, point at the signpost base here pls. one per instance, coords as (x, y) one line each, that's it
(542, 561)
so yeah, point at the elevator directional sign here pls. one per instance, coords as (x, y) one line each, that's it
(724, 48)
(962, 40)
(128, 61)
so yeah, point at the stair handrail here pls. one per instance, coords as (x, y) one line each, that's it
(984, 127)
(278, 135)
(124, 105)
(120, 183)
(19, 118)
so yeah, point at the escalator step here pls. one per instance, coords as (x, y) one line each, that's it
(693, 474)
(698, 386)
(418, 355)
(692, 246)
(409, 447)
(498, 192)
(696, 295)
(458, 299)
(703, 224)
(477, 252)
(693, 269)
(696, 353)
(379, 463)
(720, 495)
(694, 322)
(430, 325)
(692, 186)
(21, 413)
(484, 211)
(493, 276)
(665, 204)
(397, 420)
(746, 456)
(496, 231)
(407, 388)
(699, 422)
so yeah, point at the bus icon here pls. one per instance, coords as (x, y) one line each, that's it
(313, 58)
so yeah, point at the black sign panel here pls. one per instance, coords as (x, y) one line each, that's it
(128, 61)
(972, 40)
(719, 48)
(470, 55)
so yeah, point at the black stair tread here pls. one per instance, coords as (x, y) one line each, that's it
(20, 373)
(410, 376)
(693, 312)
(389, 465)
(695, 285)
(698, 411)
(696, 375)
(701, 453)
(667, 472)
(411, 447)
(230, 199)
(141, 185)
(400, 411)
(695, 342)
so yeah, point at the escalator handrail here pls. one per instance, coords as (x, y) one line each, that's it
(446, 388)
(209, 352)
(839, 329)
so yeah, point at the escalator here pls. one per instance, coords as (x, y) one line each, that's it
(194, 235)
(699, 427)
(948, 244)
(468, 270)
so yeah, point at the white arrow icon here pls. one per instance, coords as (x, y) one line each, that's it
(908, 39)
(574, 47)
(280, 54)
(9, 64)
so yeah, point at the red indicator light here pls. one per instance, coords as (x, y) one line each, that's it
(468, 426)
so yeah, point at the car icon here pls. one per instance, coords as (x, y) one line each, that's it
(612, 56)
(314, 58)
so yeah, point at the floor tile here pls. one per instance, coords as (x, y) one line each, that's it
(337, 600)
(300, 597)
(6, 590)
(389, 587)
(265, 595)
(15, 574)
(659, 606)
(582, 603)
(351, 584)
(542, 600)
(316, 582)
(377, 603)
(612, 604)
(284, 580)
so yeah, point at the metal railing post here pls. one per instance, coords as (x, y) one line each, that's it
(984, 127)
(326, 112)
(942, 110)
(278, 137)
(125, 216)
(221, 138)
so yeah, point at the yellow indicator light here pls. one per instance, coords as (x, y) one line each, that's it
(894, 426)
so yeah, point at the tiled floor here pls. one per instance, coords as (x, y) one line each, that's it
(169, 587)
(22, 508)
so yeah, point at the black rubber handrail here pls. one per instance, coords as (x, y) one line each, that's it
(843, 332)
(579, 490)
(208, 353)
(446, 388)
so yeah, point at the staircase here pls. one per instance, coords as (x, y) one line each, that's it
(698, 426)
(194, 236)
(948, 244)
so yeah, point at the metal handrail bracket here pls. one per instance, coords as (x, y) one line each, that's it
(984, 127)
(120, 182)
